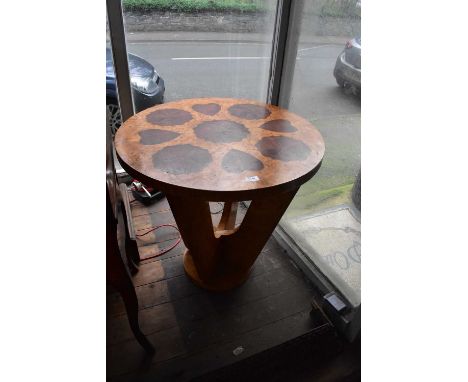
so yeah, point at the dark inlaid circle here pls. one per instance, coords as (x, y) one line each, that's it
(249, 111)
(181, 159)
(238, 161)
(207, 108)
(283, 148)
(169, 117)
(279, 125)
(156, 136)
(221, 131)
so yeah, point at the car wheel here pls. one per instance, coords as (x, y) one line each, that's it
(115, 116)
(340, 82)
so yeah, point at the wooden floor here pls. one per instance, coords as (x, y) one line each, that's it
(196, 332)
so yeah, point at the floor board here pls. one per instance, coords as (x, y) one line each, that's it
(195, 331)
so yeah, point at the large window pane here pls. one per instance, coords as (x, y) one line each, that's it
(322, 219)
(203, 48)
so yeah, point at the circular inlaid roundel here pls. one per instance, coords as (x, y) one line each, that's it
(221, 131)
(239, 161)
(156, 136)
(181, 159)
(283, 148)
(169, 117)
(279, 125)
(249, 111)
(207, 108)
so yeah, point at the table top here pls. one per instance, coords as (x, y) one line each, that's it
(219, 148)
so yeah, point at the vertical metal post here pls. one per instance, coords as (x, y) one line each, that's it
(277, 51)
(284, 51)
(119, 52)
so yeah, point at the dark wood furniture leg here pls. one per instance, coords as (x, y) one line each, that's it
(129, 297)
(119, 278)
(131, 247)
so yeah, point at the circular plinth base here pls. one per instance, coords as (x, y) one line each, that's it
(221, 283)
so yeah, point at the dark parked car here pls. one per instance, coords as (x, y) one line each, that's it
(348, 65)
(147, 86)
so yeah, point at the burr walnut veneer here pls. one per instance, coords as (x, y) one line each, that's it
(221, 149)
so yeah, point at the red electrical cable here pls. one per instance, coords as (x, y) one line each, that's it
(166, 249)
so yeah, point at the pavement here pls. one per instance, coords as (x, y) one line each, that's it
(231, 37)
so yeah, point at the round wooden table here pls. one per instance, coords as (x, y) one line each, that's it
(221, 149)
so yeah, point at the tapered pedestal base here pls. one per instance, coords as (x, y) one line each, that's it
(219, 259)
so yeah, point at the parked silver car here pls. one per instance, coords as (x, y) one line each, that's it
(348, 66)
(147, 87)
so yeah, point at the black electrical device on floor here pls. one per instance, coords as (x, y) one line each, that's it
(144, 194)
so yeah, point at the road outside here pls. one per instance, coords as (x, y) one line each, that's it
(201, 64)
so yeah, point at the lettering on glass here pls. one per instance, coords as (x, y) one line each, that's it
(343, 260)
